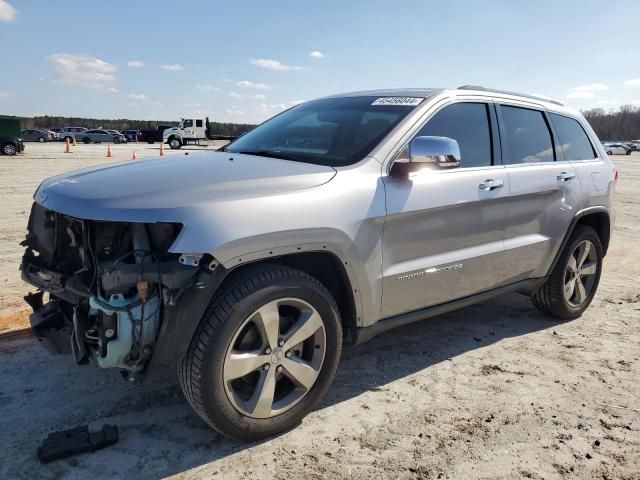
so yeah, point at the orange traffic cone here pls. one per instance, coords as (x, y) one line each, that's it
(133, 157)
(162, 149)
(109, 155)
(67, 146)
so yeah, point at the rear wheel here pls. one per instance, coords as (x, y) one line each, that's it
(574, 280)
(86, 140)
(265, 353)
(41, 139)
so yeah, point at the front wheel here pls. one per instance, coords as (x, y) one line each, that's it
(9, 149)
(265, 352)
(86, 140)
(175, 143)
(570, 288)
(41, 139)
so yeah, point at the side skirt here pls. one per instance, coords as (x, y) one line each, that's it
(357, 336)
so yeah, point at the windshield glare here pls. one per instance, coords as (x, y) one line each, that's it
(334, 131)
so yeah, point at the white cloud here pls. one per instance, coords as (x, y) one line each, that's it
(7, 12)
(271, 64)
(83, 70)
(135, 63)
(592, 87)
(581, 94)
(138, 96)
(635, 82)
(248, 84)
(113, 90)
(607, 102)
(231, 111)
(207, 88)
(192, 105)
(156, 103)
(4, 94)
(280, 106)
(258, 96)
(176, 67)
(317, 54)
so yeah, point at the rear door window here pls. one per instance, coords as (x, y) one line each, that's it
(525, 136)
(573, 139)
(198, 123)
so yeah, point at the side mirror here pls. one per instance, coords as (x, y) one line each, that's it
(434, 152)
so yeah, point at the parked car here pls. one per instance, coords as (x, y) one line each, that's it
(70, 133)
(154, 135)
(11, 145)
(55, 135)
(616, 149)
(132, 135)
(330, 223)
(32, 135)
(100, 136)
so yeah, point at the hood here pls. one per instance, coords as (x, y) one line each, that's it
(147, 190)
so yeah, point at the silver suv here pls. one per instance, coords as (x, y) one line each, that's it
(332, 222)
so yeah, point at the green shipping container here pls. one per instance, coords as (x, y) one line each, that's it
(10, 126)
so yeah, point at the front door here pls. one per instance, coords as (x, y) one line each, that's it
(444, 229)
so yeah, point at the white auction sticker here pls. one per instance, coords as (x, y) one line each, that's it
(403, 101)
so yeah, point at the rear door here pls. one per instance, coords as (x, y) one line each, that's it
(544, 191)
(594, 173)
(444, 229)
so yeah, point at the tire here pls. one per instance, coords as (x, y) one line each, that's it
(609, 152)
(150, 141)
(41, 139)
(203, 370)
(175, 143)
(628, 152)
(9, 149)
(116, 140)
(551, 298)
(86, 140)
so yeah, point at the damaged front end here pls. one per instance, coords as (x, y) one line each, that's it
(107, 286)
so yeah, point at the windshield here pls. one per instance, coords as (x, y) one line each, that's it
(333, 131)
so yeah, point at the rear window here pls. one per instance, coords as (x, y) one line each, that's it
(573, 139)
(526, 136)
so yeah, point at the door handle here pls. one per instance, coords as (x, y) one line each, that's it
(565, 177)
(491, 184)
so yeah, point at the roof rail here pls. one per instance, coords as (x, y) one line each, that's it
(524, 95)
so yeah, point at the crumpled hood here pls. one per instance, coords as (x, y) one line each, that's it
(147, 190)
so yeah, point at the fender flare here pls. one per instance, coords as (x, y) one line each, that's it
(319, 247)
(580, 214)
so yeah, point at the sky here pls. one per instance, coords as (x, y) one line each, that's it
(244, 61)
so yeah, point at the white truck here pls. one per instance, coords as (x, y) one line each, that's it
(190, 131)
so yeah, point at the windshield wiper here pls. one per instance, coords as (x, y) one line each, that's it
(267, 153)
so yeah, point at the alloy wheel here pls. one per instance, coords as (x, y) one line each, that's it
(9, 149)
(580, 273)
(274, 358)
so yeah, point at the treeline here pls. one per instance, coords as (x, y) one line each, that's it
(217, 128)
(622, 124)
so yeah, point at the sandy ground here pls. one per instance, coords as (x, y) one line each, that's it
(492, 391)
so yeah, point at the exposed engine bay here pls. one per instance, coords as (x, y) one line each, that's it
(106, 286)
